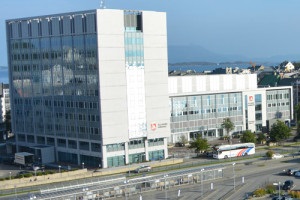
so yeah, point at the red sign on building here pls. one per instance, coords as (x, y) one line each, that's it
(153, 126)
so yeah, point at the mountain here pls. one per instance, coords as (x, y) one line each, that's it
(195, 53)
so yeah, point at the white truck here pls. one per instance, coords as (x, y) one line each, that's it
(24, 159)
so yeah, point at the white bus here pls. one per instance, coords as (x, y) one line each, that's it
(233, 150)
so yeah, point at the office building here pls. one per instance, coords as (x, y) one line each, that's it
(200, 103)
(90, 87)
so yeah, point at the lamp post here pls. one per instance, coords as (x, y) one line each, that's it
(126, 182)
(82, 165)
(59, 168)
(233, 164)
(202, 182)
(190, 175)
(278, 189)
(166, 193)
(9, 175)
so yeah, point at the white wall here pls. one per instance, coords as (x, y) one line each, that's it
(156, 74)
(210, 83)
(113, 100)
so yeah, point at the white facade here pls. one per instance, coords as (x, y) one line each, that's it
(137, 95)
(200, 103)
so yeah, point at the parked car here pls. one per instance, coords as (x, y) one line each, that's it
(282, 198)
(291, 172)
(288, 184)
(144, 168)
(297, 174)
(277, 156)
(31, 196)
(179, 144)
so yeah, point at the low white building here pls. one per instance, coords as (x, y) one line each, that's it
(199, 104)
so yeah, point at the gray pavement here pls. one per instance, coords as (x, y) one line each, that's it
(248, 177)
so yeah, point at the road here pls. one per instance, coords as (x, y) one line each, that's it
(248, 177)
(254, 173)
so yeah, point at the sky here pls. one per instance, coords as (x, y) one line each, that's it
(252, 28)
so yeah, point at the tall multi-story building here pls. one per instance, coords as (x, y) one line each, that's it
(93, 85)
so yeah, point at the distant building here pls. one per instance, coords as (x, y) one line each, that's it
(5, 99)
(4, 108)
(92, 84)
(289, 67)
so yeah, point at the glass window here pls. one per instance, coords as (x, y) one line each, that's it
(258, 98)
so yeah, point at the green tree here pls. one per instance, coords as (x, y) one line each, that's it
(183, 140)
(199, 144)
(269, 154)
(261, 138)
(228, 125)
(297, 118)
(279, 132)
(7, 121)
(283, 64)
(297, 65)
(248, 136)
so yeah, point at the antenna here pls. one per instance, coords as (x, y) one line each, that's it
(102, 4)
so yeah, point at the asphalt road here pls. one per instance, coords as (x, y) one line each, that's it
(248, 177)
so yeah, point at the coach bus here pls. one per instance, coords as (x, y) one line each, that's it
(233, 150)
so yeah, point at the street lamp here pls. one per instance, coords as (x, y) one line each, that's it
(9, 175)
(82, 165)
(278, 189)
(166, 193)
(202, 182)
(233, 164)
(59, 168)
(126, 182)
(190, 175)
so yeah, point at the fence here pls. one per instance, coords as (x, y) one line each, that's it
(139, 185)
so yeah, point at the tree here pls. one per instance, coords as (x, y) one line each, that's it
(248, 136)
(279, 131)
(199, 144)
(269, 154)
(283, 64)
(297, 118)
(183, 140)
(261, 138)
(7, 121)
(228, 125)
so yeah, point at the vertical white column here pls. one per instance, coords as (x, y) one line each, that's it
(166, 147)
(104, 157)
(146, 150)
(126, 153)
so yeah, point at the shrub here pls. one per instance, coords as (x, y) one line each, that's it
(295, 194)
(270, 189)
(27, 175)
(269, 153)
(260, 192)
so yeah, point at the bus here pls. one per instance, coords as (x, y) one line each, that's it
(233, 150)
